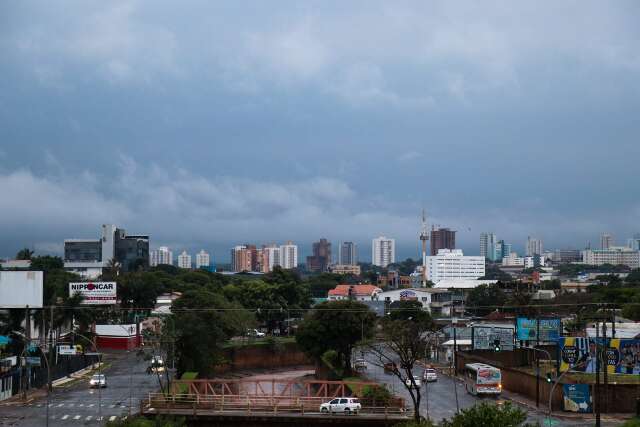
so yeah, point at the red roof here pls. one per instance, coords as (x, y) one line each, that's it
(358, 290)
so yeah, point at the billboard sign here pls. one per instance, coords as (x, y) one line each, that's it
(31, 361)
(577, 398)
(550, 329)
(622, 356)
(20, 288)
(94, 293)
(67, 350)
(483, 337)
(408, 296)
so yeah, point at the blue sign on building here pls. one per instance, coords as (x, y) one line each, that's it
(577, 398)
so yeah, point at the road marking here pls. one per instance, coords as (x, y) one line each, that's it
(112, 418)
(82, 404)
(77, 417)
(88, 418)
(71, 405)
(90, 405)
(112, 406)
(60, 405)
(64, 417)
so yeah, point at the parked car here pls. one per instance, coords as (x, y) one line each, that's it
(98, 380)
(416, 380)
(341, 405)
(429, 375)
(390, 367)
(360, 364)
(255, 333)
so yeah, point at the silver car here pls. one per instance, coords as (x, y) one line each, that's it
(98, 380)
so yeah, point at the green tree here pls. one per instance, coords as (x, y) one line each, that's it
(46, 263)
(405, 336)
(632, 310)
(488, 415)
(482, 299)
(137, 290)
(634, 277)
(335, 325)
(203, 322)
(24, 254)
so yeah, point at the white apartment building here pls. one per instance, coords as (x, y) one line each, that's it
(534, 247)
(383, 251)
(162, 255)
(289, 255)
(184, 260)
(271, 256)
(513, 260)
(203, 260)
(452, 264)
(615, 255)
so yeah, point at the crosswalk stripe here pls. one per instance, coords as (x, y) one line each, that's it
(88, 418)
(112, 406)
(90, 405)
(71, 405)
(82, 404)
(64, 417)
(112, 418)
(60, 405)
(77, 417)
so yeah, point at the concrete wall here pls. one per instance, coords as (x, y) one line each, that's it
(264, 356)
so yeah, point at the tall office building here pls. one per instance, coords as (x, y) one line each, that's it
(606, 241)
(162, 255)
(488, 243)
(203, 260)
(502, 249)
(534, 247)
(442, 238)
(289, 255)
(88, 257)
(454, 265)
(634, 242)
(184, 260)
(383, 251)
(321, 258)
(348, 254)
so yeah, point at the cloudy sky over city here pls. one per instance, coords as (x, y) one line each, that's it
(207, 124)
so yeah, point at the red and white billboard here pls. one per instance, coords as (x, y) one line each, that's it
(95, 293)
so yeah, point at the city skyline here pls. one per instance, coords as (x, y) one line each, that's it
(153, 134)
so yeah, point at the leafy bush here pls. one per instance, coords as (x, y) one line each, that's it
(144, 422)
(379, 395)
(488, 415)
(633, 422)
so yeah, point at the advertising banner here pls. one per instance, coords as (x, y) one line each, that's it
(621, 356)
(550, 329)
(67, 350)
(483, 337)
(577, 398)
(408, 296)
(95, 293)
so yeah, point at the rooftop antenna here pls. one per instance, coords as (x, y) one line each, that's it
(424, 236)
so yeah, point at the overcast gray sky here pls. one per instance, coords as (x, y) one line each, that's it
(207, 124)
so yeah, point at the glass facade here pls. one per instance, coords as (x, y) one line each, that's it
(85, 251)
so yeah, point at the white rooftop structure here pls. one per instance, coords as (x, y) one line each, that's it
(462, 284)
(628, 330)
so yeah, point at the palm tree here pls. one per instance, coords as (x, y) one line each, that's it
(24, 254)
(112, 270)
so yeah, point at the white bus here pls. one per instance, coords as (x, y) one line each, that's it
(482, 379)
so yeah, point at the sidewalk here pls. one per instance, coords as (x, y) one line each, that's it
(531, 404)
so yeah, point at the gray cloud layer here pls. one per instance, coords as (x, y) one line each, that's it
(212, 123)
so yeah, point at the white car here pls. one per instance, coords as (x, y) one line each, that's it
(416, 380)
(255, 333)
(341, 405)
(430, 375)
(98, 380)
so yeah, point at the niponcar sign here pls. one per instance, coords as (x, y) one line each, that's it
(94, 293)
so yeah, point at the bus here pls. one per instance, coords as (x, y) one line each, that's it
(482, 379)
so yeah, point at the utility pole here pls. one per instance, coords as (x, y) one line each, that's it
(597, 393)
(424, 236)
(52, 346)
(605, 359)
(537, 359)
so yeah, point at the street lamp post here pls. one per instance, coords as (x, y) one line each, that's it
(48, 373)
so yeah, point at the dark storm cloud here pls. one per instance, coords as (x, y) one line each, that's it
(214, 123)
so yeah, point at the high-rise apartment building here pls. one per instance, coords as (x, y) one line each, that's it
(606, 241)
(348, 254)
(289, 255)
(488, 243)
(634, 242)
(162, 255)
(242, 258)
(454, 265)
(534, 247)
(184, 260)
(321, 258)
(442, 238)
(88, 257)
(203, 260)
(270, 257)
(383, 251)
(615, 255)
